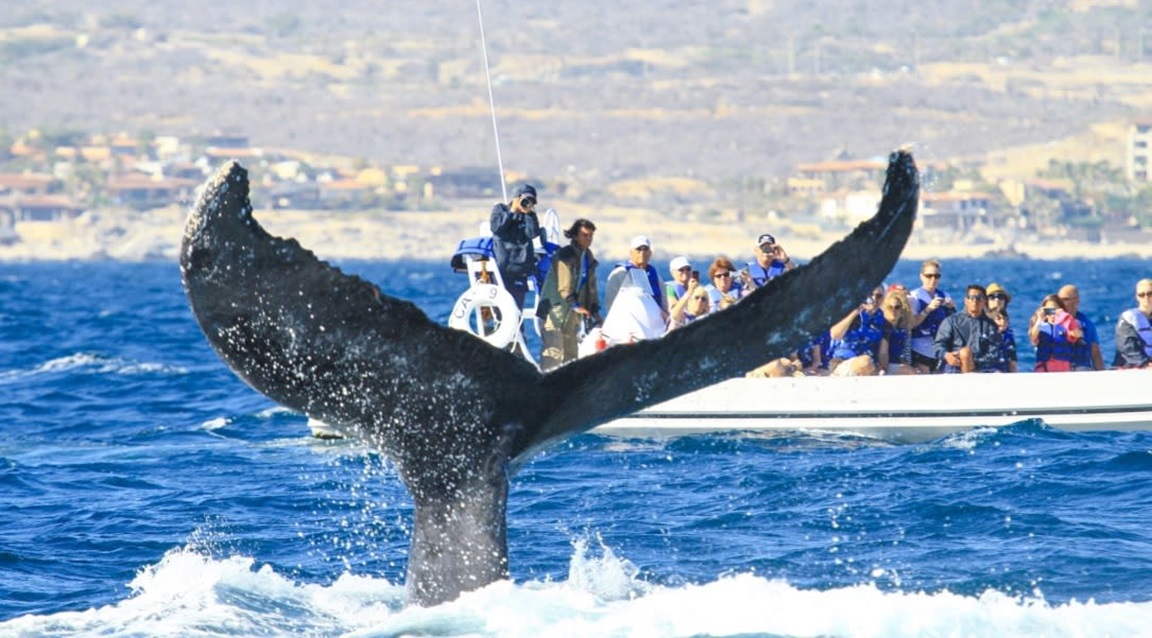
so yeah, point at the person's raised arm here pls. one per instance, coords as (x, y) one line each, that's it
(840, 328)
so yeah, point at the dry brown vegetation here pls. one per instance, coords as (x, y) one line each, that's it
(595, 93)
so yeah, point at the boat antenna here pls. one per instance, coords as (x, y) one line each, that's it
(492, 103)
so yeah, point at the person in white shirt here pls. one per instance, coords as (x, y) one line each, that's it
(635, 298)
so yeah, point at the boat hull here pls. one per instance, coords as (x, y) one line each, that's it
(902, 409)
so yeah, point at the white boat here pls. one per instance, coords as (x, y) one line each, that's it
(903, 408)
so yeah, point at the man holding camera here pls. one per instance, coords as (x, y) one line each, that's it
(514, 228)
(771, 261)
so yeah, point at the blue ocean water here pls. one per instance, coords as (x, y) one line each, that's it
(147, 491)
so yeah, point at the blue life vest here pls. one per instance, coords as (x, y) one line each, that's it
(1053, 344)
(761, 275)
(920, 300)
(1139, 320)
(674, 290)
(824, 343)
(714, 294)
(653, 278)
(898, 342)
(1007, 350)
(862, 338)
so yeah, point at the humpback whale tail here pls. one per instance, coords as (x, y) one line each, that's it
(455, 414)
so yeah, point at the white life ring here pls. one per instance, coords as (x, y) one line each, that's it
(481, 296)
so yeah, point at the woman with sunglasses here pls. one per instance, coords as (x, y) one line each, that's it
(696, 305)
(894, 355)
(1134, 331)
(724, 290)
(1053, 331)
(930, 306)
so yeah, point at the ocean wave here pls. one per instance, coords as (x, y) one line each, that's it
(92, 363)
(189, 593)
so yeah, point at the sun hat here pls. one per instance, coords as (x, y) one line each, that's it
(994, 288)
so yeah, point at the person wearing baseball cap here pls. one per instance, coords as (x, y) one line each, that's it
(684, 281)
(771, 261)
(514, 228)
(646, 310)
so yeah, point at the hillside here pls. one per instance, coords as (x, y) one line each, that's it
(593, 92)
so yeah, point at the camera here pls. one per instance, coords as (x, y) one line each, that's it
(1048, 312)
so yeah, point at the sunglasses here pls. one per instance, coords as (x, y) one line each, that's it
(930, 275)
(723, 274)
(1142, 295)
(977, 297)
(699, 298)
(999, 296)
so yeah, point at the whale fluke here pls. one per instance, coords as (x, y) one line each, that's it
(456, 415)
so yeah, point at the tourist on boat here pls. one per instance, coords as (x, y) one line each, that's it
(1086, 353)
(1007, 360)
(723, 289)
(969, 341)
(814, 355)
(681, 271)
(692, 306)
(771, 261)
(569, 297)
(856, 339)
(894, 355)
(1053, 331)
(930, 306)
(677, 292)
(1134, 331)
(998, 298)
(634, 296)
(515, 228)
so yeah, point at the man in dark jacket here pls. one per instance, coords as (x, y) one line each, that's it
(569, 296)
(514, 227)
(969, 341)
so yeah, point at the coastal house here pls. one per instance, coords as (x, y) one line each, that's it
(464, 183)
(840, 174)
(343, 193)
(295, 195)
(849, 207)
(955, 210)
(39, 208)
(1138, 151)
(28, 184)
(143, 192)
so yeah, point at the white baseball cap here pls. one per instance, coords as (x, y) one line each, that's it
(640, 240)
(678, 263)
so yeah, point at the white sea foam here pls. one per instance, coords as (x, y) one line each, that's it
(188, 593)
(90, 363)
